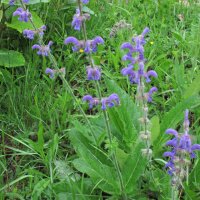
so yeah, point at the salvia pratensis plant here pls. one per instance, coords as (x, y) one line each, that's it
(94, 74)
(139, 76)
(182, 151)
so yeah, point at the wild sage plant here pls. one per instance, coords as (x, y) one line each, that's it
(182, 151)
(138, 75)
(89, 46)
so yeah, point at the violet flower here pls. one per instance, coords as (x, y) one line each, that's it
(30, 34)
(43, 49)
(50, 72)
(112, 100)
(24, 15)
(88, 46)
(93, 73)
(53, 72)
(92, 101)
(85, 1)
(78, 19)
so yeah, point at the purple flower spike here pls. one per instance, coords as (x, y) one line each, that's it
(150, 93)
(93, 73)
(172, 132)
(25, 1)
(43, 50)
(85, 1)
(50, 72)
(92, 101)
(182, 152)
(24, 15)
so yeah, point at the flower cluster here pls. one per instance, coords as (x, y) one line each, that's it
(53, 72)
(135, 56)
(93, 73)
(30, 34)
(88, 46)
(182, 151)
(43, 50)
(24, 15)
(112, 100)
(136, 73)
(78, 19)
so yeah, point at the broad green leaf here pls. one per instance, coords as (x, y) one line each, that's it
(133, 169)
(9, 58)
(30, 2)
(94, 162)
(193, 88)
(179, 74)
(65, 171)
(20, 26)
(39, 188)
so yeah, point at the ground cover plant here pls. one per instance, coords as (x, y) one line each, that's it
(99, 99)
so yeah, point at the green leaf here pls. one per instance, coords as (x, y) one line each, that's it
(30, 2)
(94, 162)
(39, 188)
(193, 88)
(9, 58)
(20, 26)
(133, 169)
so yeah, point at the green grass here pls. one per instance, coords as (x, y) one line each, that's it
(39, 154)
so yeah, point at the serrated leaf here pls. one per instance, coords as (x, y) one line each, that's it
(9, 58)
(30, 2)
(20, 26)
